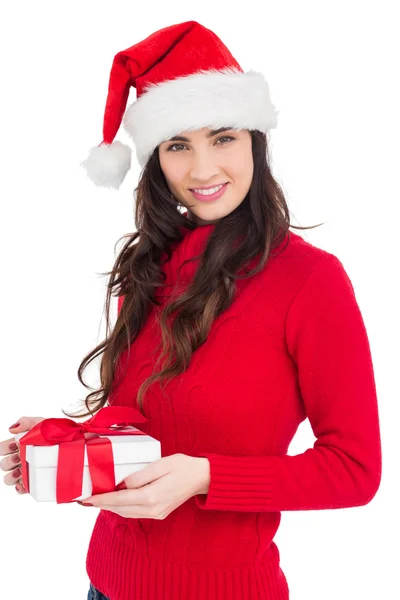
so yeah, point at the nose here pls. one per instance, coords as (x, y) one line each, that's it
(203, 168)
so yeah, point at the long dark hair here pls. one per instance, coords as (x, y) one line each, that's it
(261, 222)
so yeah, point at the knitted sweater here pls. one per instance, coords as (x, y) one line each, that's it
(292, 346)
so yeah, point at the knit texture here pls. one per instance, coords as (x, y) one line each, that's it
(292, 345)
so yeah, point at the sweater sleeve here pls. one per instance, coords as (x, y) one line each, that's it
(327, 339)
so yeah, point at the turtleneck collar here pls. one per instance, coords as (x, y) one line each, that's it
(193, 244)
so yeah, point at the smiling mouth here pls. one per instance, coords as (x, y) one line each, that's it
(211, 195)
(210, 187)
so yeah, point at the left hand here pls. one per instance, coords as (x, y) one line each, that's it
(157, 489)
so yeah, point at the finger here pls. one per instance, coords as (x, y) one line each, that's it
(21, 424)
(120, 486)
(25, 424)
(151, 472)
(121, 498)
(20, 489)
(13, 477)
(7, 446)
(10, 461)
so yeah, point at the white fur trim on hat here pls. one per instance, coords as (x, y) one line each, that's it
(207, 98)
(108, 164)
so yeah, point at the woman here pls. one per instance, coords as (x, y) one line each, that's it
(231, 331)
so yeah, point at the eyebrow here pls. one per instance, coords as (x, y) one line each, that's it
(181, 138)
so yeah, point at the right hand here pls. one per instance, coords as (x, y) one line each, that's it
(12, 462)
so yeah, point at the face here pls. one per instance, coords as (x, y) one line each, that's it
(206, 158)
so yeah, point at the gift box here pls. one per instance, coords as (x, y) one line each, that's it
(64, 461)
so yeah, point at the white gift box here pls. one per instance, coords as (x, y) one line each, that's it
(131, 453)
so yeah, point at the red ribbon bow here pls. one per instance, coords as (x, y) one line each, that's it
(70, 436)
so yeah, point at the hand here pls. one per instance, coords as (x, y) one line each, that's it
(157, 489)
(9, 448)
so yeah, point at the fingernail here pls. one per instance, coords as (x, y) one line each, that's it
(120, 486)
(17, 473)
(13, 426)
(13, 446)
(84, 503)
(16, 458)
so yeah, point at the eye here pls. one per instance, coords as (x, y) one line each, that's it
(170, 148)
(225, 137)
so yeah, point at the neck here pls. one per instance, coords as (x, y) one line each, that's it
(195, 219)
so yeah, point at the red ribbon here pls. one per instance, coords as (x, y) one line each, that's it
(70, 436)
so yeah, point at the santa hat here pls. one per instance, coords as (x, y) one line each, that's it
(185, 79)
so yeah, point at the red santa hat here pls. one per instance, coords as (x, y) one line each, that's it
(185, 79)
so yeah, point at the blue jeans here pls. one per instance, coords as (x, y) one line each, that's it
(94, 594)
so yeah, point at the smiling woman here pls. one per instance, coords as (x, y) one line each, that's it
(231, 330)
(210, 174)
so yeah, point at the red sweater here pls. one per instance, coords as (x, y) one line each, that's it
(292, 346)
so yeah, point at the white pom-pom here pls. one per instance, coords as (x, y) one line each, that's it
(108, 164)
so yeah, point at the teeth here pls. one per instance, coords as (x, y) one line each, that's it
(208, 192)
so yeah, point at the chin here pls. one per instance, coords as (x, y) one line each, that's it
(212, 211)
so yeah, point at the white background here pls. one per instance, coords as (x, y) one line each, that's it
(333, 75)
